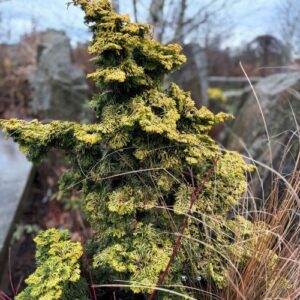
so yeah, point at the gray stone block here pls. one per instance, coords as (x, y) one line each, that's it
(15, 177)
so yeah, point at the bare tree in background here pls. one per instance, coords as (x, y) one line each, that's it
(185, 20)
(266, 51)
(135, 11)
(156, 18)
(179, 29)
(289, 22)
(116, 5)
(193, 24)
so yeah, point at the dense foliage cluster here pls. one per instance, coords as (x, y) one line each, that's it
(134, 166)
(215, 94)
(57, 266)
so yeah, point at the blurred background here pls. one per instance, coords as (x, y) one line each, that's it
(41, 41)
(233, 47)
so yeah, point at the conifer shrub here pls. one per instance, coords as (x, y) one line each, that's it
(216, 95)
(57, 267)
(134, 167)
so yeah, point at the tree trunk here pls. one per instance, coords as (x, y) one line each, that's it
(134, 3)
(156, 18)
(180, 22)
(116, 5)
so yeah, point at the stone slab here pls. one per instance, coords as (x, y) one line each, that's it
(15, 175)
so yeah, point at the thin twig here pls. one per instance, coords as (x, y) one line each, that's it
(90, 275)
(261, 112)
(177, 244)
(146, 286)
(19, 284)
(10, 273)
(4, 296)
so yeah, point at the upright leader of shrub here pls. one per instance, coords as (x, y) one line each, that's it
(134, 165)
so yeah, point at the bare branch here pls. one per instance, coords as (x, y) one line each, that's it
(116, 5)
(135, 11)
(180, 21)
(289, 25)
(156, 18)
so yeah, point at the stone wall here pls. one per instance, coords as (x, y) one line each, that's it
(279, 98)
(59, 88)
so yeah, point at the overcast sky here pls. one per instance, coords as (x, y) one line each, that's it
(250, 18)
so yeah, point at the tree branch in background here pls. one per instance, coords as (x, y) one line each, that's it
(289, 25)
(207, 16)
(183, 20)
(180, 21)
(135, 11)
(116, 5)
(156, 18)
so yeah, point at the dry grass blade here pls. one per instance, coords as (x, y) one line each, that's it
(169, 291)
(261, 111)
(273, 271)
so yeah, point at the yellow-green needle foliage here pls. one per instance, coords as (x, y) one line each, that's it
(57, 265)
(133, 165)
